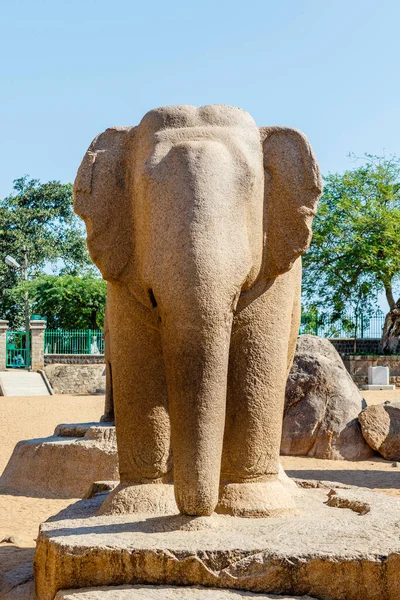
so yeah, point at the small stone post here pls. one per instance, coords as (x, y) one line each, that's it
(37, 344)
(3, 344)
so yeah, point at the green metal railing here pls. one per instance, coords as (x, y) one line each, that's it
(18, 350)
(90, 341)
(73, 341)
(348, 325)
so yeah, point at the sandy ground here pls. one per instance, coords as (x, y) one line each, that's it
(31, 417)
(377, 474)
(25, 418)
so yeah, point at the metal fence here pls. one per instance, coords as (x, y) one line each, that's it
(73, 341)
(18, 350)
(348, 325)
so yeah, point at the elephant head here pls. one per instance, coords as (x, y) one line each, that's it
(197, 207)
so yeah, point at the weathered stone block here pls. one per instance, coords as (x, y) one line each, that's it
(64, 465)
(343, 543)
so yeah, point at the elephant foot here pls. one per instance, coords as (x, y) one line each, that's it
(145, 498)
(107, 418)
(256, 499)
(288, 483)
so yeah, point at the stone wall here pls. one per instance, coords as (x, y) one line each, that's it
(37, 329)
(357, 366)
(74, 359)
(76, 378)
(85, 374)
(3, 344)
(363, 346)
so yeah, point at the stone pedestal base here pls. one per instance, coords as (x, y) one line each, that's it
(378, 387)
(64, 465)
(343, 543)
(152, 592)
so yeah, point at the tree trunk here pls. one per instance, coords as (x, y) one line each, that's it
(389, 296)
(391, 331)
(93, 320)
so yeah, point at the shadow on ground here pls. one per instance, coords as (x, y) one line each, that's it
(16, 571)
(363, 478)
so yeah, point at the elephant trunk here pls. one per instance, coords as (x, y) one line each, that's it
(198, 261)
(196, 359)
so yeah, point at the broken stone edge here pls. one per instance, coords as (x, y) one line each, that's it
(327, 575)
(256, 571)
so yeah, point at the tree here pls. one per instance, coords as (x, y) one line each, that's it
(39, 216)
(355, 253)
(68, 301)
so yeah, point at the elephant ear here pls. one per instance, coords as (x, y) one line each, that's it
(102, 199)
(292, 189)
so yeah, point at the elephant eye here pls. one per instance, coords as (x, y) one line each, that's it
(152, 299)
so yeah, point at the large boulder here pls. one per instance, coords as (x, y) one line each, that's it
(380, 425)
(322, 405)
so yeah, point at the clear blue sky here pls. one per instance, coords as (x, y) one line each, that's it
(69, 69)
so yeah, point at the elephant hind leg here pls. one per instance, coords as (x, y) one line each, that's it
(141, 409)
(108, 416)
(295, 322)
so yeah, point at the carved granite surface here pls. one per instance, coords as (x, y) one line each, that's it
(343, 544)
(197, 219)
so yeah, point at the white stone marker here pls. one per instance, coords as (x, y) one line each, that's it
(378, 379)
(378, 375)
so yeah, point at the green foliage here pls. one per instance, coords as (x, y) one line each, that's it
(39, 216)
(354, 253)
(68, 301)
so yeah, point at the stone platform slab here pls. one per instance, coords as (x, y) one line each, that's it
(377, 387)
(344, 544)
(144, 592)
(63, 465)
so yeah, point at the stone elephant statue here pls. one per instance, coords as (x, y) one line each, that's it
(197, 218)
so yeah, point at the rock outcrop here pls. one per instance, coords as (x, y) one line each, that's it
(380, 426)
(322, 405)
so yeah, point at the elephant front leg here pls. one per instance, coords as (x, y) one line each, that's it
(141, 410)
(262, 338)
